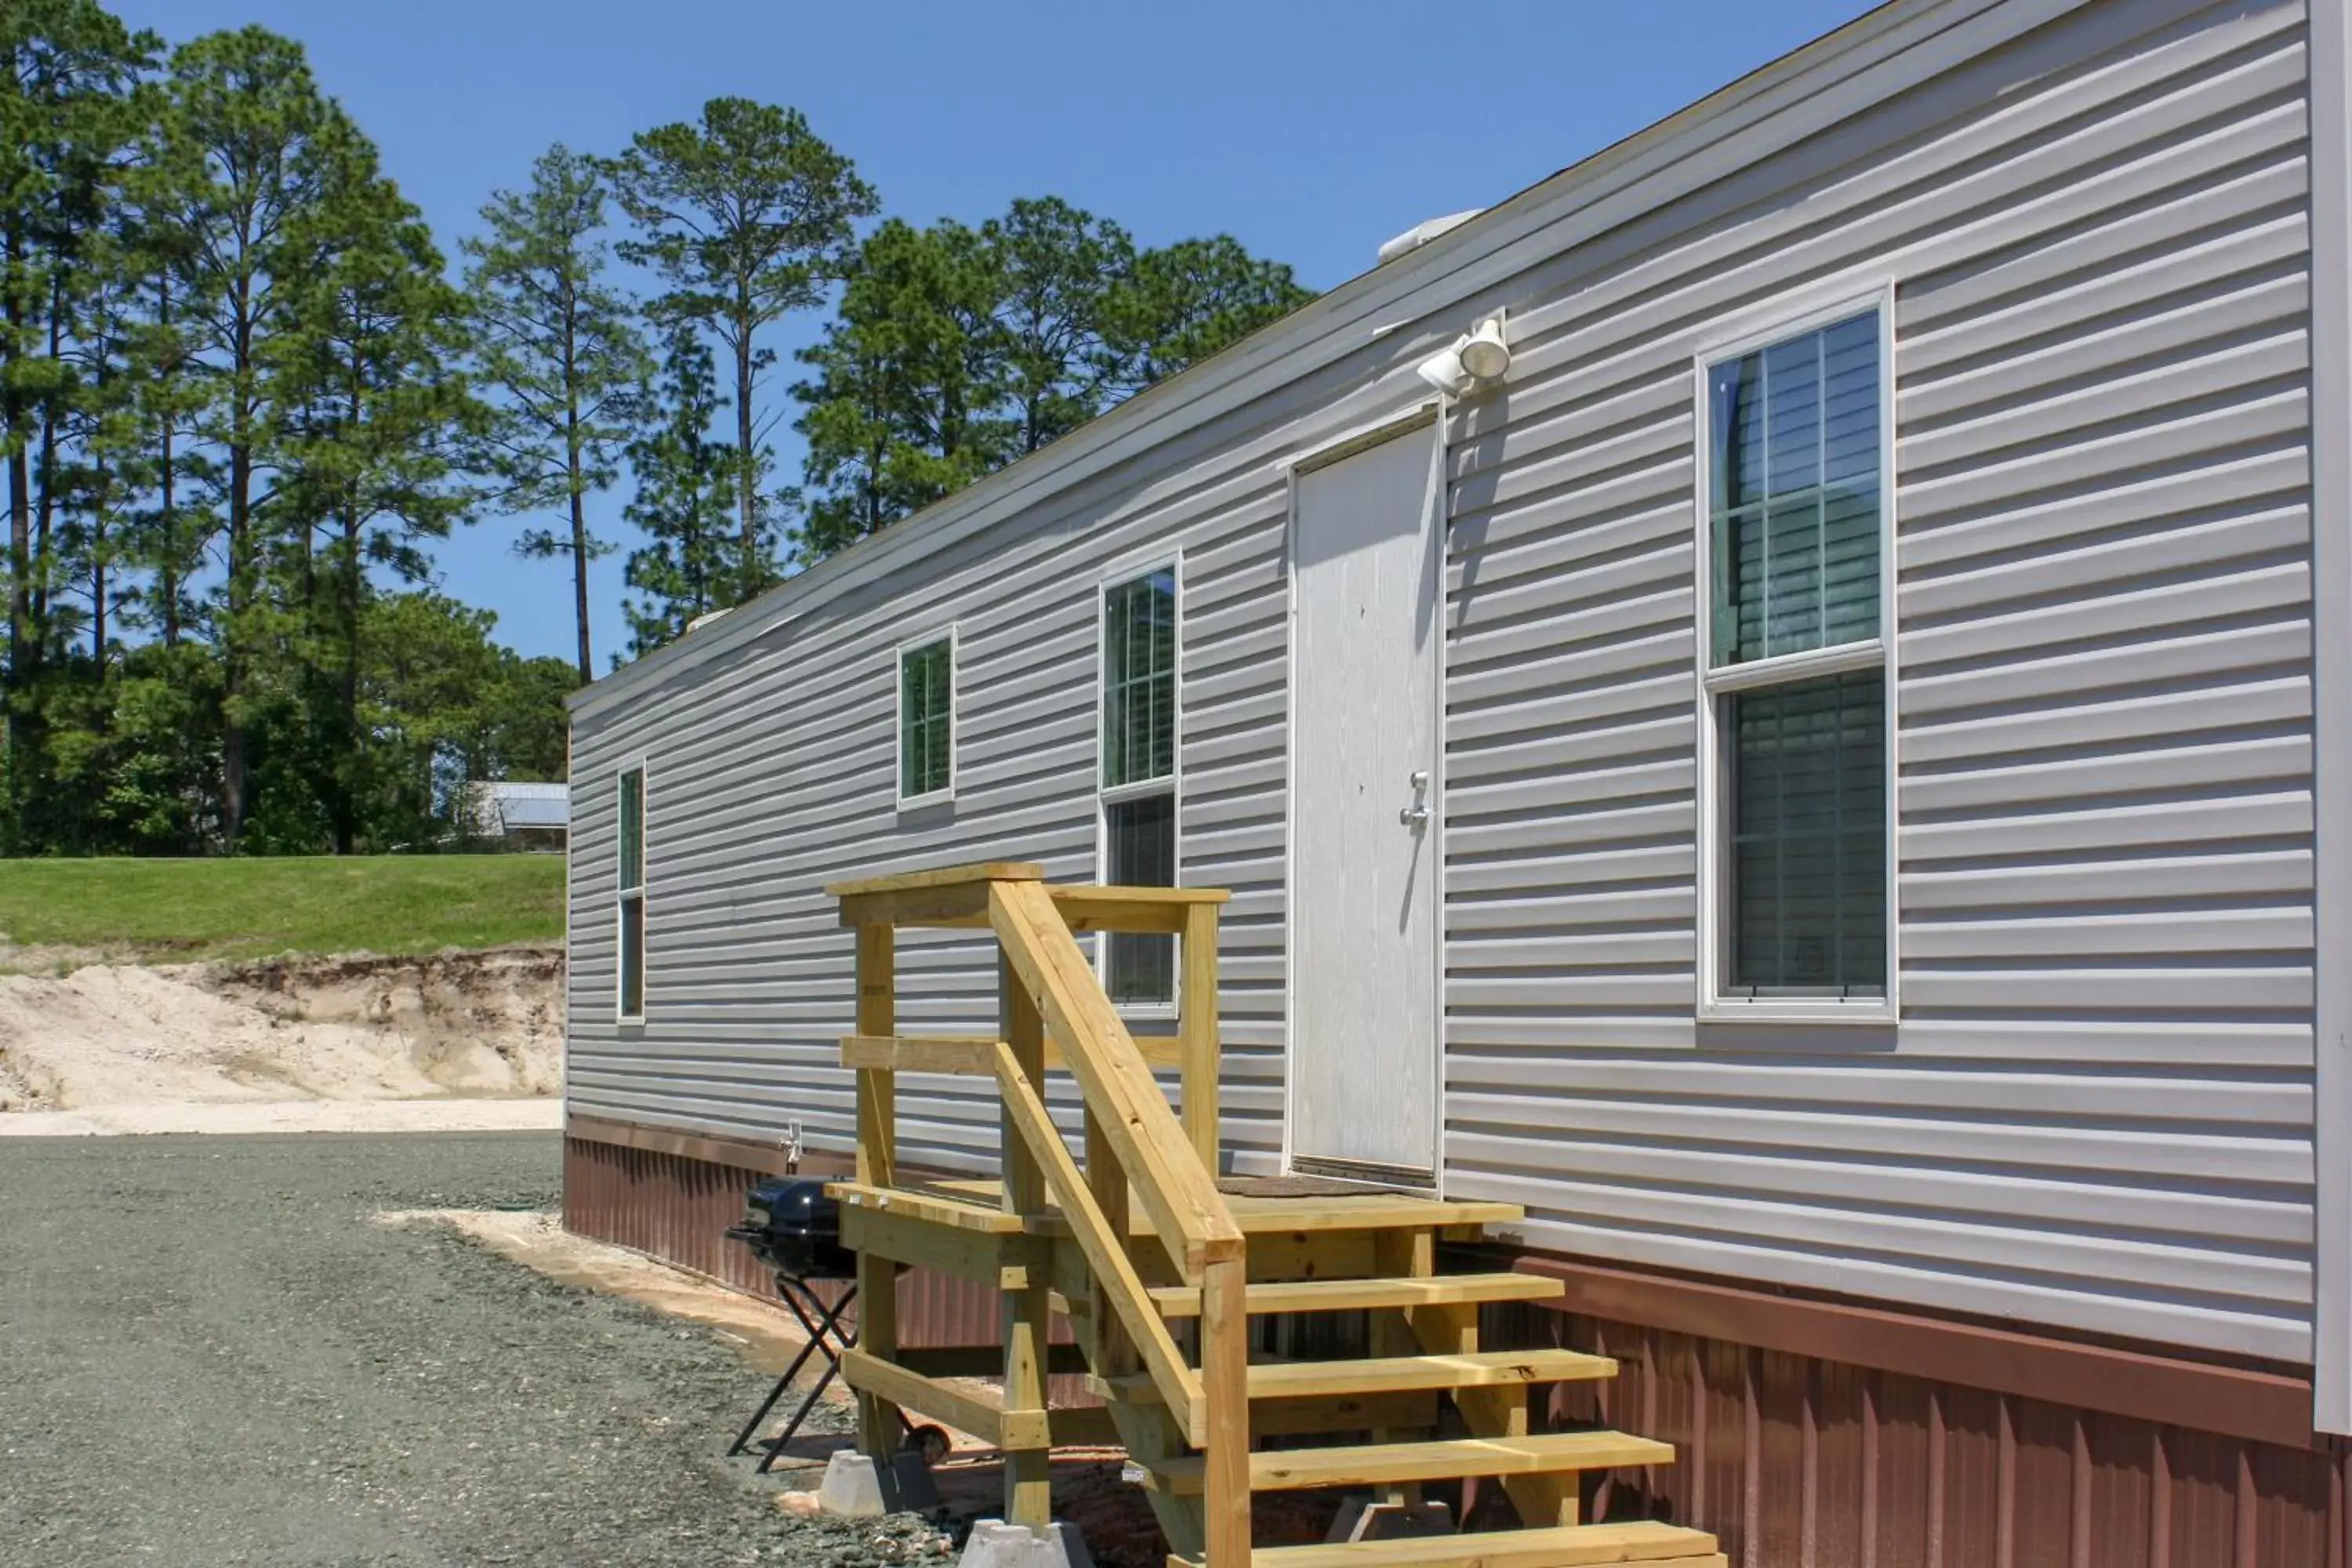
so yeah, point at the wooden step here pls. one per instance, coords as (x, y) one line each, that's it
(1392, 1375)
(1362, 1295)
(1573, 1546)
(1371, 1464)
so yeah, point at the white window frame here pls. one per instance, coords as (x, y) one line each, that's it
(1172, 785)
(622, 897)
(952, 636)
(1791, 319)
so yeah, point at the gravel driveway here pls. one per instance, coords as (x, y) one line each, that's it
(208, 1355)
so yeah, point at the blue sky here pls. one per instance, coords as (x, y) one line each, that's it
(1311, 132)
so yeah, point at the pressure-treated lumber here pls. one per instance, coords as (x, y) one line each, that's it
(1364, 1295)
(940, 876)
(877, 1165)
(1028, 1474)
(1220, 1424)
(1105, 1252)
(1389, 1375)
(969, 1056)
(1144, 910)
(1175, 1189)
(976, 1410)
(1371, 1464)
(1644, 1541)
(1196, 1022)
(931, 1208)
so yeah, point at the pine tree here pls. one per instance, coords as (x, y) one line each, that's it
(560, 351)
(371, 457)
(746, 216)
(685, 498)
(250, 152)
(67, 114)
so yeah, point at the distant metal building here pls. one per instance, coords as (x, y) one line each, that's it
(1828, 778)
(538, 815)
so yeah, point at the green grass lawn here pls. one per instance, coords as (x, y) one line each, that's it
(178, 911)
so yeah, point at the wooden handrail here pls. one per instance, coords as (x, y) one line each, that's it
(1175, 1189)
(1106, 1250)
(1056, 1006)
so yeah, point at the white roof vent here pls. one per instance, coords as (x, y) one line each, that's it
(701, 621)
(1421, 234)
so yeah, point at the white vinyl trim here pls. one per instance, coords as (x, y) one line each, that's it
(2331, 563)
(1791, 317)
(1172, 784)
(898, 718)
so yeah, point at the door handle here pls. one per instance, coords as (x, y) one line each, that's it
(1413, 815)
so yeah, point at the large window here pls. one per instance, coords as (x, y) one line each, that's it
(1138, 771)
(927, 722)
(632, 894)
(1795, 683)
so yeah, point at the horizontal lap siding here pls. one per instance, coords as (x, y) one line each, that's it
(2097, 1113)
(771, 774)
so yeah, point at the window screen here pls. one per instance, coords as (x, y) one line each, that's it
(1795, 508)
(633, 830)
(1138, 731)
(1142, 854)
(1808, 859)
(926, 720)
(632, 958)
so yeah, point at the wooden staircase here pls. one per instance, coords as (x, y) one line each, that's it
(1160, 1268)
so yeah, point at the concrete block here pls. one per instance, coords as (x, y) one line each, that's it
(996, 1544)
(852, 1487)
(855, 1486)
(1369, 1519)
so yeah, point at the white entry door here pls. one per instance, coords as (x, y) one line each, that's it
(1368, 560)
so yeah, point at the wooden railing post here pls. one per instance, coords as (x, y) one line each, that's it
(1028, 1312)
(877, 1165)
(1197, 1030)
(1225, 1386)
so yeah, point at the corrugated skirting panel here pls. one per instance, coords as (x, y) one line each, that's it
(679, 1208)
(1800, 1463)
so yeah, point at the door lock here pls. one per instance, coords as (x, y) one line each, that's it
(1416, 815)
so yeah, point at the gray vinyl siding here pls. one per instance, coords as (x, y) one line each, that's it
(2096, 1112)
(2097, 1109)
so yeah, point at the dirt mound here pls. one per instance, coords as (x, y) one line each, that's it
(474, 1023)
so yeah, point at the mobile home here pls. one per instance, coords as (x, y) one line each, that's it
(1823, 777)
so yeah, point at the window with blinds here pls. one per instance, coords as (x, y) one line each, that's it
(1796, 680)
(630, 886)
(927, 722)
(1138, 773)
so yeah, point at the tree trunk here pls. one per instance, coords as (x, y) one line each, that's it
(747, 478)
(21, 650)
(167, 569)
(234, 807)
(45, 518)
(575, 483)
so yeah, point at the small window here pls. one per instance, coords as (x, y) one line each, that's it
(1139, 774)
(1796, 692)
(632, 894)
(927, 722)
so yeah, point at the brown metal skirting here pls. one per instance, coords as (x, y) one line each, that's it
(2235, 1402)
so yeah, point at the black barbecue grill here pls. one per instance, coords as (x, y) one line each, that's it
(793, 1228)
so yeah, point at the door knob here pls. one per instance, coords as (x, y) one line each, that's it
(1417, 814)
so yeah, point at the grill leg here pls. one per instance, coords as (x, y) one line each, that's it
(824, 1333)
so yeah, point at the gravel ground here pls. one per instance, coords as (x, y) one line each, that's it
(208, 1355)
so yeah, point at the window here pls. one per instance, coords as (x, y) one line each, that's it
(1795, 678)
(927, 722)
(1138, 773)
(632, 889)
